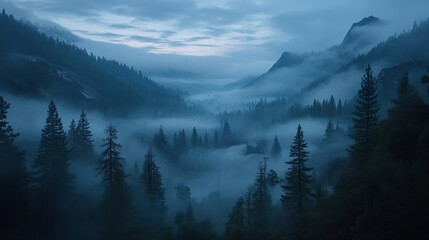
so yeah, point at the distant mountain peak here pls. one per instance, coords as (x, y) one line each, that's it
(287, 59)
(365, 22)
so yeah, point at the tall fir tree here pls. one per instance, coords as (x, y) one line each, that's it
(13, 181)
(116, 206)
(276, 149)
(51, 173)
(111, 164)
(364, 121)
(194, 139)
(160, 141)
(298, 179)
(52, 178)
(152, 186)
(405, 104)
(227, 138)
(261, 195)
(329, 130)
(84, 147)
(72, 135)
(406, 113)
(183, 141)
(226, 128)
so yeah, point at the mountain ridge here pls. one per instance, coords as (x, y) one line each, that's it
(36, 67)
(365, 22)
(342, 59)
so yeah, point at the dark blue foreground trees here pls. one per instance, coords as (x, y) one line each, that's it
(13, 180)
(296, 189)
(116, 203)
(51, 175)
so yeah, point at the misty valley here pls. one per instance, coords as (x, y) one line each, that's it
(96, 143)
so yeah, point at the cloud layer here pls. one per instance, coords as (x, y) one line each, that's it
(219, 27)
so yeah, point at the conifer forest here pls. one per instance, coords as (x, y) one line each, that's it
(215, 120)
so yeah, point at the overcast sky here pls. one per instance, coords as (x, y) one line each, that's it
(233, 29)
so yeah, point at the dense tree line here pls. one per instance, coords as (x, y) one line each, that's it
(280, 110)
(197, 141)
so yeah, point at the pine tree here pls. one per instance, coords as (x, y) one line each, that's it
(116, 200)
(261, 194)
(51, 172)
(329, 131)
(226, 134)
(152, 186)
(406, 114)
(405, 103)
(84, 147)
(183, 141)
(297, 177)
(365, 119)
(13, 180)
(51, 177)
(194, 139)
(276, 149)
(111, 164)
(160, 141)
(72, 135)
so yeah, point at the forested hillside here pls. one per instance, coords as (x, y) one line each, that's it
(35, 65)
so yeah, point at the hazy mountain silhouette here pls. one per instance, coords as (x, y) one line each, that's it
(408, 52)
